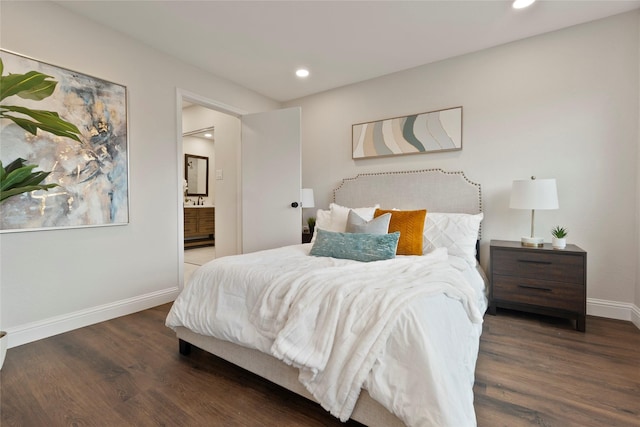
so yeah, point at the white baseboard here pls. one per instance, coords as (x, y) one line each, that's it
(635, 316)
(614, 310)
(56, 325)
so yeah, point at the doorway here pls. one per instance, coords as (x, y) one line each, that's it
(197, 116)
(242, 172)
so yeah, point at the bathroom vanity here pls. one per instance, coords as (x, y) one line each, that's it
(199, 226)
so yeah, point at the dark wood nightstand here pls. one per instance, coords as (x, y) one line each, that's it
(539, 280)
(306, 237)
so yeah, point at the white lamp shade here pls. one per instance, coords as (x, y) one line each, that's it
(534, 194)
(306, 198)
(521, 4)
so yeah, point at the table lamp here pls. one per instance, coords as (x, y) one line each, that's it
(306, 198)
(534, 194)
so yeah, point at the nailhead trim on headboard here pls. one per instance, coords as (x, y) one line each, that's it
(396, 188)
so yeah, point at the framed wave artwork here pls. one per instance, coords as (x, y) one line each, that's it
(430, 132)
(63, 147)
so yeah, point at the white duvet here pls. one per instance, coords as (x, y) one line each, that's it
(408, 329)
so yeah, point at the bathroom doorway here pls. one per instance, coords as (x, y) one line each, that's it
(198, 142)
(210, 142)
(243, 171)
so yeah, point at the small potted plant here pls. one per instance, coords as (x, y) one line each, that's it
(312, 224)
(559, 240)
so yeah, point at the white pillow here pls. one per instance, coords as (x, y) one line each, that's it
(323, 221)
(339, 215)
(455, 231)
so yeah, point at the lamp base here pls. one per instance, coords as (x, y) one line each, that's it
(533, 242)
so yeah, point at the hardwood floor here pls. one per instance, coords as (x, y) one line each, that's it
(536, 370)
(128, 372)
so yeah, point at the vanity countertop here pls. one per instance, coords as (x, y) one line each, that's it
(198, 206)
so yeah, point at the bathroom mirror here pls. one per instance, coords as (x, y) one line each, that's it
(196, 172)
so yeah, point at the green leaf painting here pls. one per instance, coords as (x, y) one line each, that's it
(35, 86)
(46, 120)
(18, 178)
(32, 85)
(65, 130)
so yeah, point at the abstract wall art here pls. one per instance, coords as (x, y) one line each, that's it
(63, 147)
(430, 132)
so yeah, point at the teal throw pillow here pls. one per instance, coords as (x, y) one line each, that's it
(355, 246)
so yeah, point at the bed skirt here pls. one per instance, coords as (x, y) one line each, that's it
(367, 411)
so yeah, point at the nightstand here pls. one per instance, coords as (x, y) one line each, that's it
(539, 280)
(306, 237)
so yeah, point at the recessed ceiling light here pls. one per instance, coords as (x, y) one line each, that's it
(207, 135)
(302, 72)
(521, 4)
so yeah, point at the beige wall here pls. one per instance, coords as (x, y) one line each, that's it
(51, 281)
(562, 105)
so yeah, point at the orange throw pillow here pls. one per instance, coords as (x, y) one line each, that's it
(410, 224)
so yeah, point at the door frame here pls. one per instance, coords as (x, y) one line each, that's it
(185, 95)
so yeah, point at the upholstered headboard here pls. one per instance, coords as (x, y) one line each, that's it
(431, 189)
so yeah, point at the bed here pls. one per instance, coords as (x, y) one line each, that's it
(407, 354)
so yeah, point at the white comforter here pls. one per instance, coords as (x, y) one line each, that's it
(408, 328)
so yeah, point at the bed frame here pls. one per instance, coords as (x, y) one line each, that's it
(434, 189)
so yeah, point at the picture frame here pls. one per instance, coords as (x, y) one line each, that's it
(76, 136)
(429, 132)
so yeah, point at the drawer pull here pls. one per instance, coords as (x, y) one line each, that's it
(536, 288)
(534, 262)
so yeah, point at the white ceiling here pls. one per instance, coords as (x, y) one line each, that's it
(259, 44)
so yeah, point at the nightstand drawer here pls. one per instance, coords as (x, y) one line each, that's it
(556, 267)
(558, 295)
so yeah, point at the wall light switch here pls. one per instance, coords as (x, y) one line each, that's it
(219, 174)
